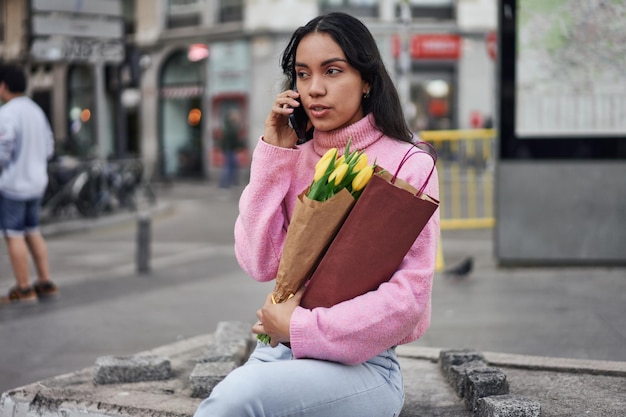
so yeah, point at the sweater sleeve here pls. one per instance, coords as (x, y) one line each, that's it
(7, 140)
(261, 225)
(49, 143)
(397, 312)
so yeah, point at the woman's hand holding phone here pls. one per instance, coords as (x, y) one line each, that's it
(278, 132)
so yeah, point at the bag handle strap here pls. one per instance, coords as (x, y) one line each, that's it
(410, 153)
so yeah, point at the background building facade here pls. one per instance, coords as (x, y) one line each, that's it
(155, 79)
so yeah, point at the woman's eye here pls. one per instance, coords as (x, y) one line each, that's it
(333, 71)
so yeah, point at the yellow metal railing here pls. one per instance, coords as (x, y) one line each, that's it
(466, 176)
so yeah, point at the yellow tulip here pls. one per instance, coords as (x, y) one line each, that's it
(338, 174)
(322, 165)
(340, 160)
(330, 154)
(360, 163)
(362, 178)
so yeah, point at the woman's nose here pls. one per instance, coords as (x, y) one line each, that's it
(316, 87)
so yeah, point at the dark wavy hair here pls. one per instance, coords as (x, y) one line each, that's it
(14, 78)
(362, 53)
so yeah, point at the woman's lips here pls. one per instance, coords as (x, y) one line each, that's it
(318, 111)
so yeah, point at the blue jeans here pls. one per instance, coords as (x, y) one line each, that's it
(272, 383)
(19, 217)
(229, 170)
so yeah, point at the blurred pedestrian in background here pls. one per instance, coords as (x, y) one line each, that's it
(230, 146)
(26, 145)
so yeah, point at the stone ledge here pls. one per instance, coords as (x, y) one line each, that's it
(164, 382)
(427, 390)
(77, 394)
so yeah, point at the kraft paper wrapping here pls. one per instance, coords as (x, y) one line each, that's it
(313, 226)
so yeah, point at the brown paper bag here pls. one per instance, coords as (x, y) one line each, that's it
(313, 226)
(369, 247)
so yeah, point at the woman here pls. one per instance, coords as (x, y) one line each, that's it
(340, 361)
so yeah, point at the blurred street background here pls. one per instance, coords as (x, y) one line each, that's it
(532, 256)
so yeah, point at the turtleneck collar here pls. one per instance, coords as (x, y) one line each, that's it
(363, 134)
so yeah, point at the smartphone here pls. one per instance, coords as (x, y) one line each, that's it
(298, 120)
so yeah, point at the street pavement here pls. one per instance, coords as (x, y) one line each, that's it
(106, 307)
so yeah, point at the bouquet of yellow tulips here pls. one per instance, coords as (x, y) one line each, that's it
(360, 259)
(320, 210)
(333, 174)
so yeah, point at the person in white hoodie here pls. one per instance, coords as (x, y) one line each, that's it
(26, 145)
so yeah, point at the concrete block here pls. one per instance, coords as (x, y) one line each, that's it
(226, 352)
(233, 331)
(457, 375)
(483, 382)
(205, 376)
(507, 406)
(123, 369)
(448, 358)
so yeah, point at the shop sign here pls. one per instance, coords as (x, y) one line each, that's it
(77, 25)
(77, 30)
(100, 7)
(436, 46)
(182, 92)
(78, 50)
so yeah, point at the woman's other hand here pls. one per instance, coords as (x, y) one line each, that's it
(277, 130)
(274, 319)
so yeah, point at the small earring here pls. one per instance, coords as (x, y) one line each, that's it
(366, 94)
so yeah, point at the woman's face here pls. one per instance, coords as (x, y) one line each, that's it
(330, 88)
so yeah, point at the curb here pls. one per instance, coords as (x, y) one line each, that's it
(529, 362)
(53, 228)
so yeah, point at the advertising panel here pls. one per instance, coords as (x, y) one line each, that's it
(562, 79)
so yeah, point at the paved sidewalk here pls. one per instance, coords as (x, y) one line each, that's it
(557, 333)
(546, 386)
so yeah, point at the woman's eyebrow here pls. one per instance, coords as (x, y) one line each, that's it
(332, 60)
(324, 63)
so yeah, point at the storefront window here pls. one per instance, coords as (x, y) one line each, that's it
(128, 12)
(184, 13)
(433, 102)
(231, 11)
(181, 116)
(432, 98)
(80, 112)
(430, 9)
(361, 8)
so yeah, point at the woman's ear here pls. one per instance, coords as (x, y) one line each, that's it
(366, 90)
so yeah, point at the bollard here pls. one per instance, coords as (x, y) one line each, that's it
(439, 263)
(143, 243)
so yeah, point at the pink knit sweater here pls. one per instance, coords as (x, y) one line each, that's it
(351, 332)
